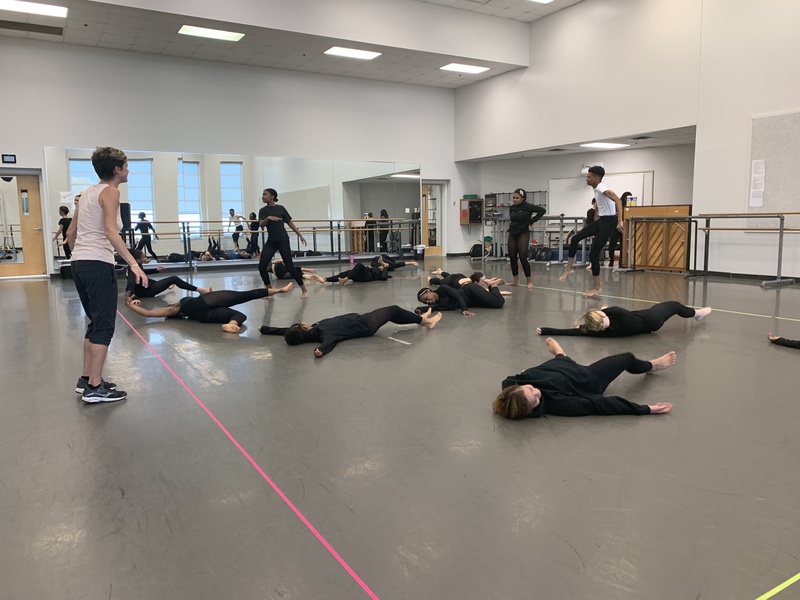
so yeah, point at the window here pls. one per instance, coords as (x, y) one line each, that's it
(81, 175)
(189, 195)
(230, 184)
(140, 187)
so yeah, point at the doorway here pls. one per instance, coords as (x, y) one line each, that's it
(23, 237)
(431, 212)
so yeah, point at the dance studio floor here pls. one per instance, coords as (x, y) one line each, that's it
(241, 468)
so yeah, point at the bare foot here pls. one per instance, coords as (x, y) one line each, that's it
(232, 327)
(505, 293)
(554, 347)
(702, 313)
(413, 263)
(564, 275)
(530, 285)
(311, 270)
(318, 278)
(304, 295)
(430, 321)
(515, 282)
(438, 271)
(663, 362)
(172, 287)
(496, 281)
(772, 337)
(593, 292)
(204, 290)
(282, 290)
(342, 280)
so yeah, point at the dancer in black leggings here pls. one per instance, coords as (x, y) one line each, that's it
(467, 296)
(213, 307)
(616, 237)
(562, 387)
(613, 321)
(456, 280)
(384, 260)
(280, 271)
(609, 207)
(144, 227)
(589, 230)
(252, 240)
(522, 216)
(330, 332)
(272, 216)
(360, 273)
(134, 291)
(781, 341)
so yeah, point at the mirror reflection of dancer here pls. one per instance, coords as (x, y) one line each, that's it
(63, 226)
(562, 387)
(238, 221)
(213, 307)
(273, 216)
(144, 227)
(155, 286)
(329, 332)
(613, 321)
(781, 341)
(609, 206)
(252, 240)
(469, 295)
(522, 216)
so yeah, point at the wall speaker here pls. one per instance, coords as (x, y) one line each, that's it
(125, 213)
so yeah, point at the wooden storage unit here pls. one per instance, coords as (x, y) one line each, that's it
(660, 246)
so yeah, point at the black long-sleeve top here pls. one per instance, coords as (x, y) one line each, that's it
(329, 332)
(622, 323)
(134, 288)
(571, 390)
(523, 215)
(449, 299)
(787, 343)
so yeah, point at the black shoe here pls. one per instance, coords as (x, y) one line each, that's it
(102, 393)
(83, 382)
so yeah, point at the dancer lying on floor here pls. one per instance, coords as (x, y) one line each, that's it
(562, 387)
(384, 260)
(329, 332)
(134, 291)
(278, 268)
(456, 280)
(468, 295)
(613, 321)
(213, 307)
(360, 273)
(781, 341)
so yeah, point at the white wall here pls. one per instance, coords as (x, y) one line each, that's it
(748, 68)
(598, 69)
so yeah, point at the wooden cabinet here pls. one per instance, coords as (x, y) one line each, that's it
(657, 245)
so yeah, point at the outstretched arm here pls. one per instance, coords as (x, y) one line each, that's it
(166, 312)
(780, 341)
(294, 228)
(554, 331)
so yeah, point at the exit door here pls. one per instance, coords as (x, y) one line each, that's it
(23, 237)
(431, 206)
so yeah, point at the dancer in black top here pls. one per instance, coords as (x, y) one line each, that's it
(252, 241)
(280, 271)
(613, 321)
(456, 280)
(562, 387)
(134, 290)
(383, 233)
(469, 295)
(144, 226)
(360, 273)
(781, 341)
(390, 263)
(63, 225)
(329, 332)
(272, 216)
(213, 307)
(522, 215)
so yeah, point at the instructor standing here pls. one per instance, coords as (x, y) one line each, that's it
(272, 216)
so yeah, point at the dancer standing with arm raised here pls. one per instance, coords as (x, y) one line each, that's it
(272, 216)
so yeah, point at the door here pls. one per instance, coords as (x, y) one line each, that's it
(22, 252)
(430, 209)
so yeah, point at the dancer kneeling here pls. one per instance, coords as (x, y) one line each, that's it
(330, 332)
(213, 307)
(562, 387)
(613, 321)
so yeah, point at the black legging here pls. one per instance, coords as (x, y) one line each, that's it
(518, 250)
(616, 239)
(590, 230)
(359, 273)
(217, 307)
(144, 242)
(450, 279)
(480, 297)
(392, 263)
(608, 369)
(606, 226)
(269, 250)
(252, 242)
(156, 286)
(381, 316)
(657, 315)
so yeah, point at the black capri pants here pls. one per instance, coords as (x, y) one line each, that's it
(96, 282)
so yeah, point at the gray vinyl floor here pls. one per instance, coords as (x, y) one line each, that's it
(241, 468)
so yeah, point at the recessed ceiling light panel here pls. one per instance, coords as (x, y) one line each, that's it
(604, 145)
(458, 68)
(406, 175)
(214, 34)
(34, 8)
(352, 53)
(542, 1)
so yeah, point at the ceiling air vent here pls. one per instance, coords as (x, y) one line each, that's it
(31, 28)
(639, 138)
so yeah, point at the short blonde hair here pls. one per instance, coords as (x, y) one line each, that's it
(511, 403)
(592, 321)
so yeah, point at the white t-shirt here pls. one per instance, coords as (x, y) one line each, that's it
(91, 242)
(605, 205)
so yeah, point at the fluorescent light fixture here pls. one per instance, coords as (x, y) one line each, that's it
(542, 1)
(604, 145)
(472, 69)
(406, 175)
(352, 53)
(34, 8)
(214, 34)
